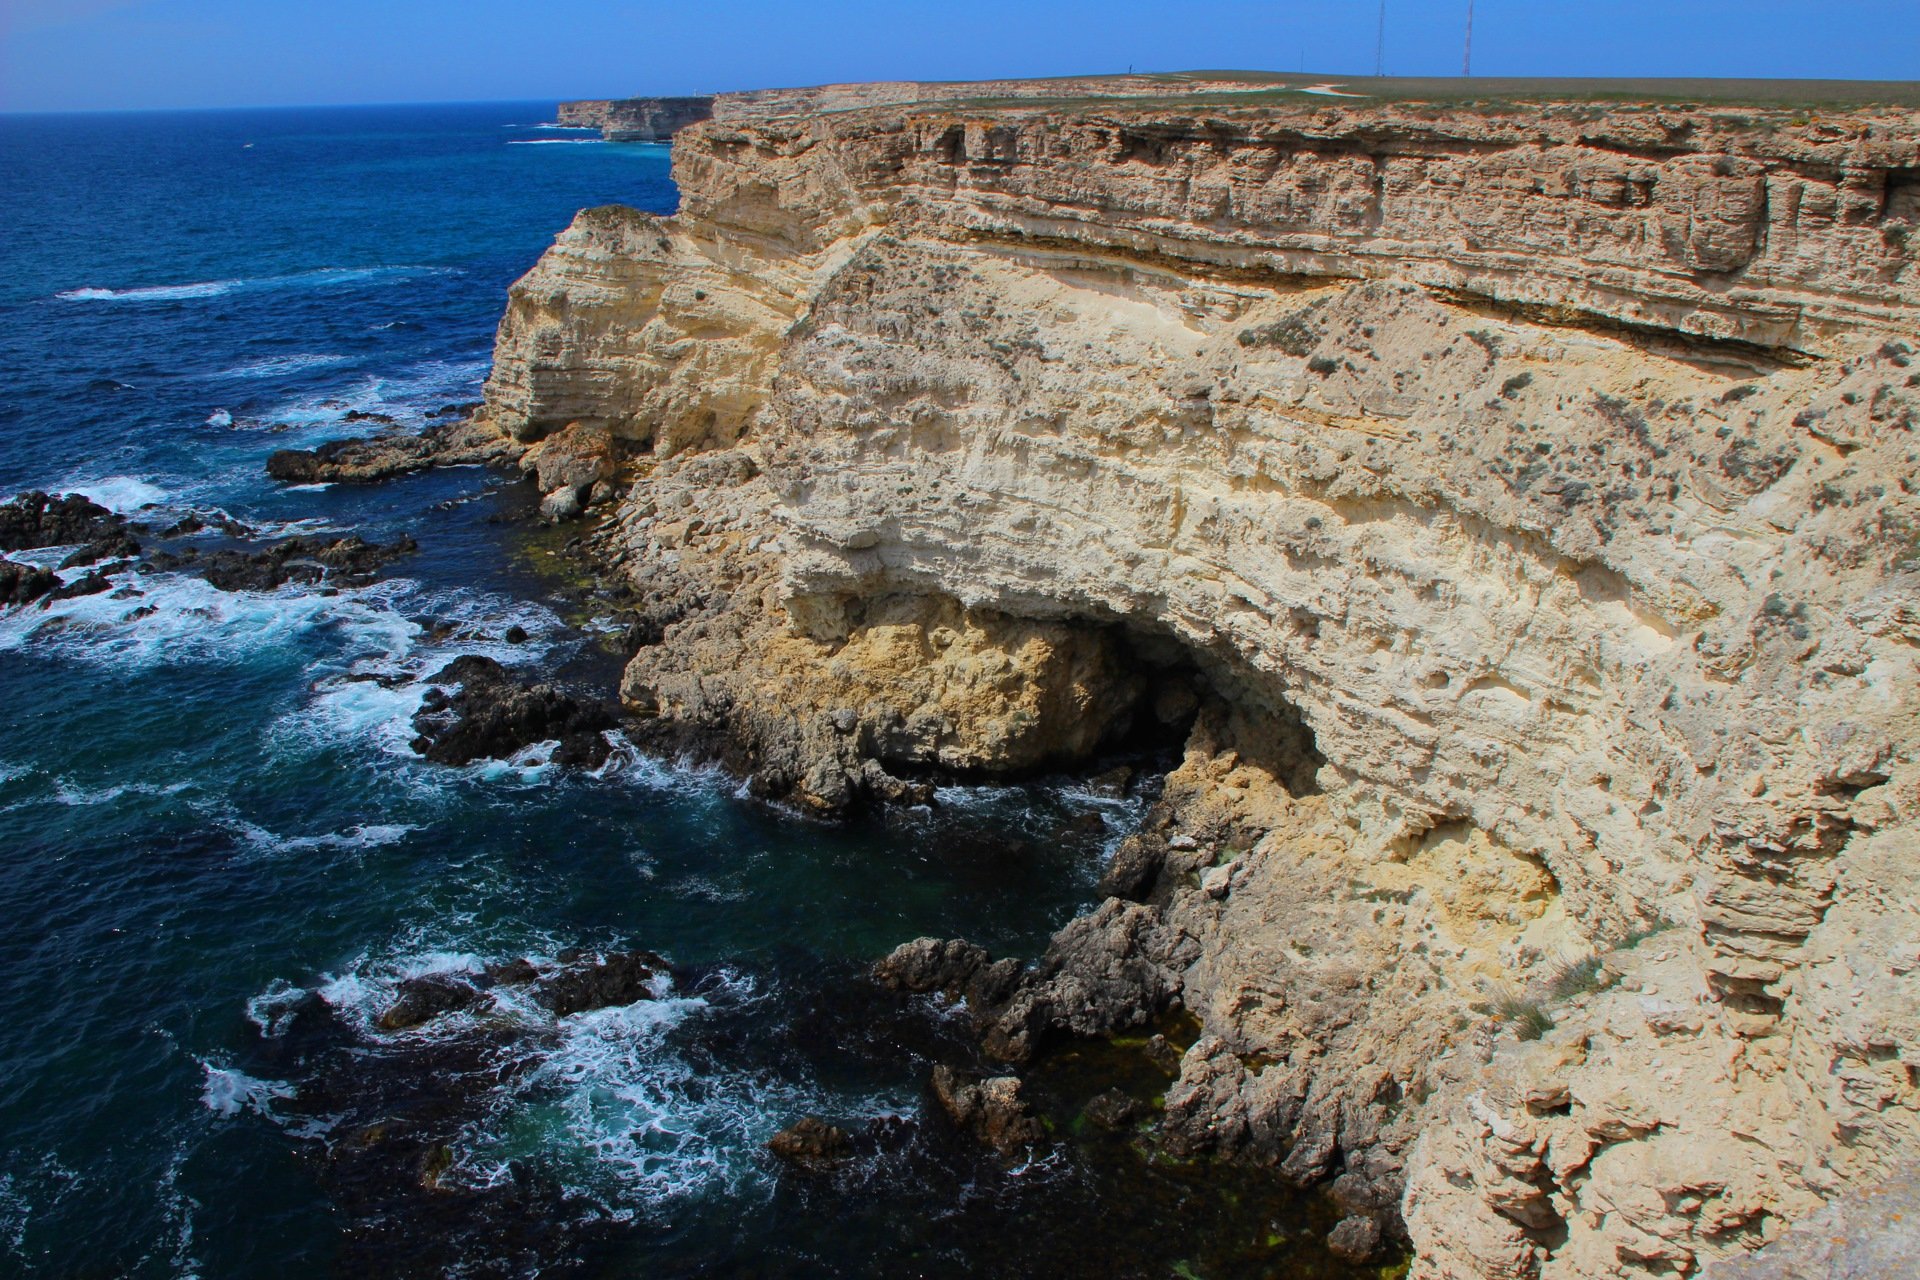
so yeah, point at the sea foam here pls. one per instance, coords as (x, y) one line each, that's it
(325, 277)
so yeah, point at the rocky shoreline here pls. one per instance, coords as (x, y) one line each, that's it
(1505, 516)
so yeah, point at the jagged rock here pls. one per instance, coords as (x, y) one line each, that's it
(931, 964)
(1113, 969)
(37, 520)
(617, 979)
(365, 459)
(348, 562)
(811, 1141)
(991, 1110)
(490, 715)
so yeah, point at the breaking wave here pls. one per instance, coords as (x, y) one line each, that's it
(323, 278)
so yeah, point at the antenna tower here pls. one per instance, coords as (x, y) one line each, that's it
(1466, 63)
(1380, 43)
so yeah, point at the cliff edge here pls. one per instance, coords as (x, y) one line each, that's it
(1509, 509)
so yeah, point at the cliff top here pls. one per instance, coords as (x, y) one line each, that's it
(1219, 88)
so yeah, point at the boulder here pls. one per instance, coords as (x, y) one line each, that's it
(1112, 1110)
(1355, 1238)
(990, 1110)
(22, 584)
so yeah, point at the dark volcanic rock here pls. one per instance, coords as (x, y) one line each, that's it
(113, 546)
(340, 561)
(377, 457)
(21, 584)
(621, 978)
(37, 520)
(491, 716)
(811, 1141)
(990, 1110)
(421, 999)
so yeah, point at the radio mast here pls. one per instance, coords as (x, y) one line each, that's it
(1466, 63)
(1380, 43)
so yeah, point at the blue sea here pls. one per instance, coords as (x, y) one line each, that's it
(219, 854)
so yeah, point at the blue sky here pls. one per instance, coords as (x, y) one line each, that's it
(85, 54)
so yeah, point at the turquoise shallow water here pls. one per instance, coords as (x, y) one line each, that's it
(218, 855)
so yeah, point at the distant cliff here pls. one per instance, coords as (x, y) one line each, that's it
(637, 119)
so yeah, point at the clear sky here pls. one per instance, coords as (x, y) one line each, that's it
(87, 54)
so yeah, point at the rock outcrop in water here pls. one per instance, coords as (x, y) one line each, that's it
(477, 711)
(1512, 508)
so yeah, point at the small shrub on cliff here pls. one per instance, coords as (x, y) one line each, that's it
(1577, 979)
(1530, 1018)
(1515, 385)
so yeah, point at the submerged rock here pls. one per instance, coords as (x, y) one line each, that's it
(491, 716)
(1112, 1109)
(427, 997)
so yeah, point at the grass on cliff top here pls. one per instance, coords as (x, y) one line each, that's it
(1265, 88)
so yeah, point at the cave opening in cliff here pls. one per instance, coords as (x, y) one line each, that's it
(1206, 699)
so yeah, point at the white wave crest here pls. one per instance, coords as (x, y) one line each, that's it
(556, 142)
(325, 277)
(229, 1091)
(371, 835)
(124, 494)
(165, 618)
(408, 396)
(280, 367)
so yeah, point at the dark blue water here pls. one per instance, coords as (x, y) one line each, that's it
(205, 817)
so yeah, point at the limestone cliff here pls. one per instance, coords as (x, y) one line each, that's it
(636, 119)
(1512, 506)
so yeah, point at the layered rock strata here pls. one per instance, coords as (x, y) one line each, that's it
(1512, 508)
(636, 119)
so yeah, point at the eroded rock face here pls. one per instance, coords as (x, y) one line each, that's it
(1519, 506)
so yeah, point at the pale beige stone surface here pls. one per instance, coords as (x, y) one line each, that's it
(1553, 467)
